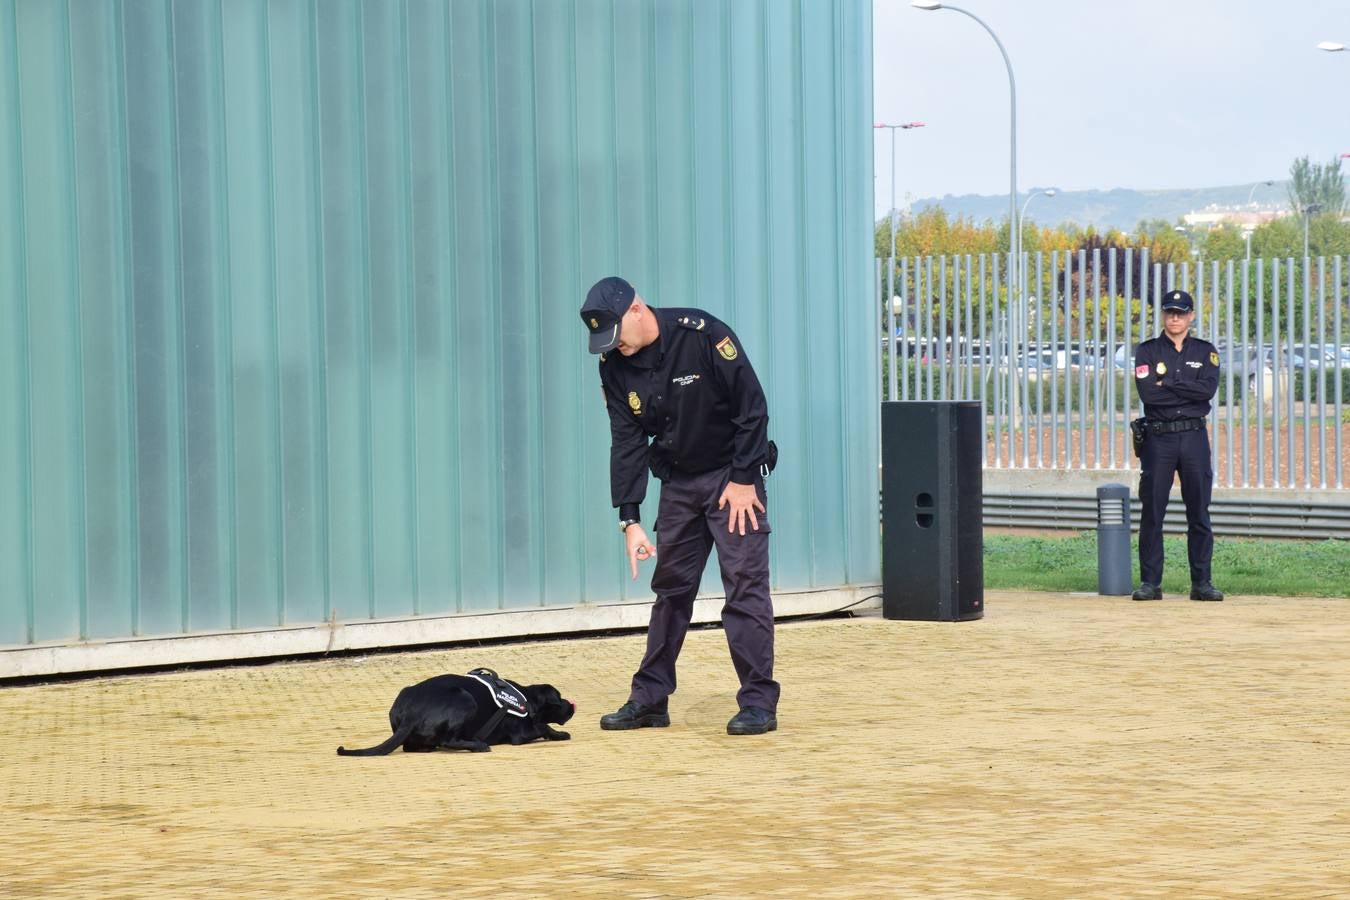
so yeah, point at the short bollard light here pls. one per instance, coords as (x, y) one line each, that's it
(1113, 540)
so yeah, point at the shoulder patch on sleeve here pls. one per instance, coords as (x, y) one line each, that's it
(1213, 358)
(1141, 371)
(726, 348)
(693, 323)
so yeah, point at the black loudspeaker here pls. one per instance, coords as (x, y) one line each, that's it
(932, 537)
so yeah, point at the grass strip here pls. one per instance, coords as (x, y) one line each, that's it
(1240, 566)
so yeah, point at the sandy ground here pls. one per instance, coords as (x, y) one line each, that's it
(1063, 746)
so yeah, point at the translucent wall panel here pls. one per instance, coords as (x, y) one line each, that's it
(288, 294)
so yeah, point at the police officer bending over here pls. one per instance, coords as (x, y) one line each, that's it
(1177, 375)
(684, 402)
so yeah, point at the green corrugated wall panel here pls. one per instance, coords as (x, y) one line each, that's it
(288, 294)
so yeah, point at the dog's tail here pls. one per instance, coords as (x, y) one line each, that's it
(395, 740)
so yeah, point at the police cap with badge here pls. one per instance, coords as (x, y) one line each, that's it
(606, 302)
(1179, 301)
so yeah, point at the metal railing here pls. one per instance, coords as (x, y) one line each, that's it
(1054, 371)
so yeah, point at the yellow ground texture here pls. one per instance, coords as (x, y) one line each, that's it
(1063, 746)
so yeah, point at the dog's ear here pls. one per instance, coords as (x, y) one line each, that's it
(540, 695)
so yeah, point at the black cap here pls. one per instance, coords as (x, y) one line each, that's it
(606, 302)
(1179, 300)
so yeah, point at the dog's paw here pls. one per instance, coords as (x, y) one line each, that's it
(561, 736)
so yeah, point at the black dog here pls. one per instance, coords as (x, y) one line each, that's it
(471, 712)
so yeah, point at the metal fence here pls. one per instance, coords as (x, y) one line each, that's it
(1054, 370)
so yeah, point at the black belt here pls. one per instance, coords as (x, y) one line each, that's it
(1158, 426)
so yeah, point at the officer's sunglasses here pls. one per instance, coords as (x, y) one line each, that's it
(1178, 313)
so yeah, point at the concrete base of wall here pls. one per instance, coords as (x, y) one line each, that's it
(317, 639)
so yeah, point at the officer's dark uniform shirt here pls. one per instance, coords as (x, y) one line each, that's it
(687, 403)
(1190, 377)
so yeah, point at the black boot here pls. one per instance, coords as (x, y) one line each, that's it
(1147, 591)
(634, 715)
(1205, 591)
(752, 720)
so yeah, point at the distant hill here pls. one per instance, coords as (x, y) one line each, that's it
(1119, 208)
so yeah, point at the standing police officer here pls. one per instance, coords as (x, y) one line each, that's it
(1177, 375)
(684, 401)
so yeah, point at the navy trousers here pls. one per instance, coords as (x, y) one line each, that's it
(1165, 455)
(688, 526)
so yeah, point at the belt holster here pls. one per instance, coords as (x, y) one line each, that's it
(1138, 434)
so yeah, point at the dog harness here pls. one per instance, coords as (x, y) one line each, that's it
(510, 700)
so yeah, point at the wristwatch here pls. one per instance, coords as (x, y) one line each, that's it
(624, 523)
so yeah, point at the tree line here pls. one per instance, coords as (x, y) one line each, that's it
(1316, 199)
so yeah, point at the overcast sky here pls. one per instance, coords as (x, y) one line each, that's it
(1110, 93)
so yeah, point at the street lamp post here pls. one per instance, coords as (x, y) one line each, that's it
(1254, 187)
(1308, 210)
(1049, 192)
(1014, 238)
(906, 126)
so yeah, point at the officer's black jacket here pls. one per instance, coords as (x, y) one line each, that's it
(1176, 385)
(689, 402)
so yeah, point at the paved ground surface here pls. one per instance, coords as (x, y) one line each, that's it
(1064, 746)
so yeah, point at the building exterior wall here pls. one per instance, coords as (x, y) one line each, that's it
(289, 291)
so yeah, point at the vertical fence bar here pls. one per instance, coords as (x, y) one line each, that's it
(994, 351)
(970, 331)
(1307, 374)
(1110, 360)
(924, 332)
(1083, 350)
(1260, 368)
(957, 353)
(1228, 375)
(1199, 291)
(984, 356)
(1342, 366)
(1215, 323)
(1245, 381)
(1010, 341)
(916, 330)
(888, 316)
(1158, 288)
(1143, 313)
(1023, 357)
(1127, 316)
(1098, 360)
(1276, 357)
(1052, 356)
(1322, 372)
(928, 351)
(912, 326)
(1291, 460)
(940, 350)
(1040, 359)
(900, 359)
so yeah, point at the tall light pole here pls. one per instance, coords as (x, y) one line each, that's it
(1015, 243)
(906, 126)
(1048, 192)
(1308, 210)
(1254, 187)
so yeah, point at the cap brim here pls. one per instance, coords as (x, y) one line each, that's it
(605, 340)
(1177, 308)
